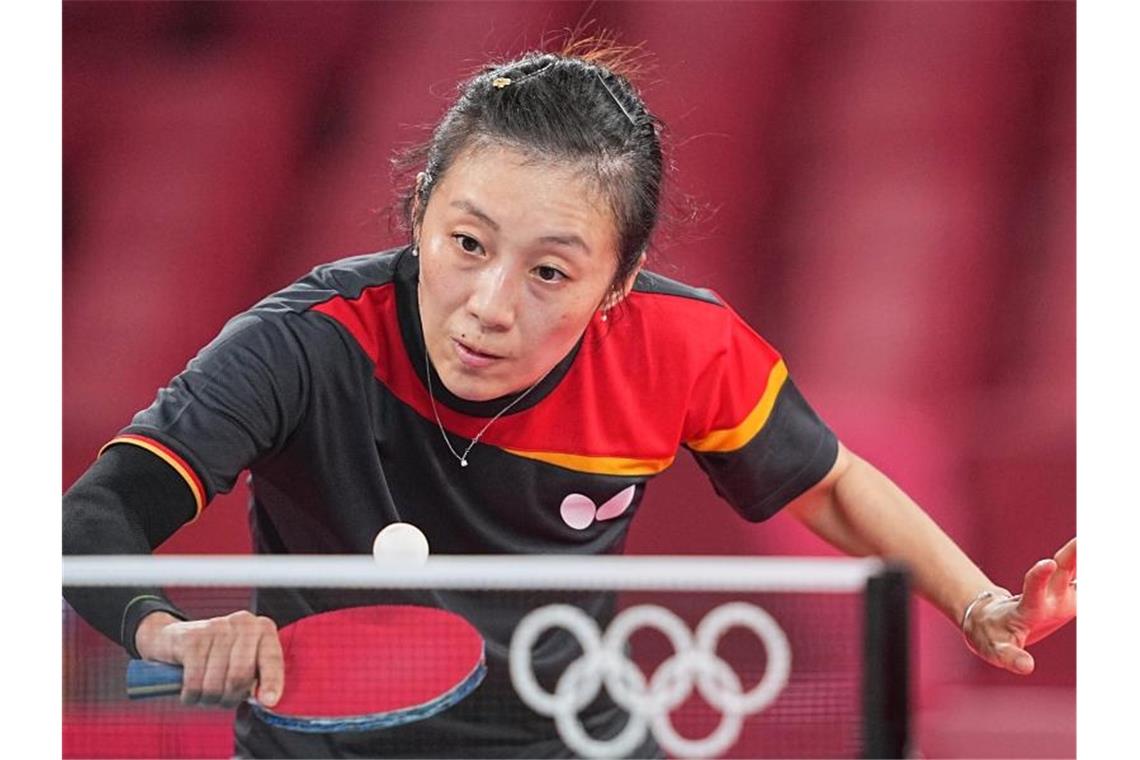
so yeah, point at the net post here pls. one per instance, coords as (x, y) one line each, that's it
(886, 664)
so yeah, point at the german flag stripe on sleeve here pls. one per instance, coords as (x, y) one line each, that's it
(731, 439)
(165, 454)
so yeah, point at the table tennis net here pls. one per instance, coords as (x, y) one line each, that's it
(584, 657)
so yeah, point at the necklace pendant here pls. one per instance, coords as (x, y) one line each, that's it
(447, 441)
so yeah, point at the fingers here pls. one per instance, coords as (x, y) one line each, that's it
(242, 671)
(1060, 583)
(222, 658)
(1066, 557)
(1013, 658)
(194, 654)
(998, 634)
(270, 665)
(1049, 597)
(1051, 575)
(217, 665)
(1036, 583)
(1047, 602)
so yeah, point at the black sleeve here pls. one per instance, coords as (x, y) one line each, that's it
(239, 399)
(758, 439)
(792, 452)
(128, 502)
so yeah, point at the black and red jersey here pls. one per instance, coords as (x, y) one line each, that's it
(319, 390)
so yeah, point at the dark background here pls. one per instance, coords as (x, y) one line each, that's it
(887, 192)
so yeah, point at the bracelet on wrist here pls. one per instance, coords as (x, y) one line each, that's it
(981, 597)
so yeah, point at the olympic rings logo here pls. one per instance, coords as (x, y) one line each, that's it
(695, 663)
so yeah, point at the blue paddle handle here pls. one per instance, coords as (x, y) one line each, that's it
(152, 679)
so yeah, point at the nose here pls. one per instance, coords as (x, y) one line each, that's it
(494, 299)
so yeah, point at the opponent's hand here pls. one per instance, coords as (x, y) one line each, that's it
(223, 659)
(999, 630)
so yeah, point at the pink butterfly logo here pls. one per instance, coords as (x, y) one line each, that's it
(579, 512)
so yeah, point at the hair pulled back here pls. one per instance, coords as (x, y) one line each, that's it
(564, 107)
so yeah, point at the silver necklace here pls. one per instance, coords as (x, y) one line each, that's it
(463, 457)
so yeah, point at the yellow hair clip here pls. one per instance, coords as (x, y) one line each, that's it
(500, 82)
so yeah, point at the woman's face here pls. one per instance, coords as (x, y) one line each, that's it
(516, 257)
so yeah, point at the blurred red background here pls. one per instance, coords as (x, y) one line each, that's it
(888, 194)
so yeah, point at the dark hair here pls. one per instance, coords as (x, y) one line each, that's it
(568, 107)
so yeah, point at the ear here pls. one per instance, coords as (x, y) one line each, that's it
(629, 281)
(421, 178)
(617, 296)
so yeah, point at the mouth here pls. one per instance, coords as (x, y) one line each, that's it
(472, 357)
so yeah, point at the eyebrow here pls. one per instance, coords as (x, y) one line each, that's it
(474, 210)
(571, 240)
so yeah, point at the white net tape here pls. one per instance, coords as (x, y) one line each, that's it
(756, 574)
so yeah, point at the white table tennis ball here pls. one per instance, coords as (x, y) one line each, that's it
(400, 542)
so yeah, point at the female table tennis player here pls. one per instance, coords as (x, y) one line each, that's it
(509, 381)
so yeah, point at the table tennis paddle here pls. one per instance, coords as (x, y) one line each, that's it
(357, 669)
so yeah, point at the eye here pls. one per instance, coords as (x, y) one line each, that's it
(468, 243)
(549, 274)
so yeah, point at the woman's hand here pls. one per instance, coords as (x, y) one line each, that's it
(223, 659)
(999, 629)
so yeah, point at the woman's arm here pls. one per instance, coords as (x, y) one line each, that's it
(860, 511)
(129, 502)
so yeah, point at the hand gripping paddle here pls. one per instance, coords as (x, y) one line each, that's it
(357, 669)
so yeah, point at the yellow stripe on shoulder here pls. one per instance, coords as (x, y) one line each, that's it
(731, 439)
(171, 459)
(598, 465)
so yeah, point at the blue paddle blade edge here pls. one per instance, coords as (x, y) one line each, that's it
(378, 720)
